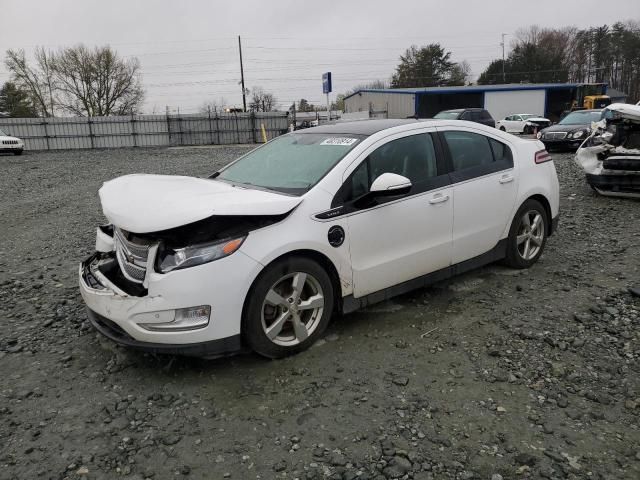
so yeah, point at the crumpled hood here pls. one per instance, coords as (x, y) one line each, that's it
(142, 203)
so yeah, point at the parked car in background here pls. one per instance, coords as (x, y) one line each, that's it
(525, 123)
(478, 115)
(330, 219)
(9, 144)
(571, 131)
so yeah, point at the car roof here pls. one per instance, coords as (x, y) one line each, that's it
(361, 127)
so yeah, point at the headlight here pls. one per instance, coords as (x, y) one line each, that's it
(578, 134)
(172, 259)
(539, 135)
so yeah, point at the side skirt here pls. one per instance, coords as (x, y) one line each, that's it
(351, 304)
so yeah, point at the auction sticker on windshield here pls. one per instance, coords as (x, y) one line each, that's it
(339, 141)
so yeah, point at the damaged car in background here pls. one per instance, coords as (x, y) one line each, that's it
(610, 157)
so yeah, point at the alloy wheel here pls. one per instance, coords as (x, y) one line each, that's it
(292, 309)
(530, 235)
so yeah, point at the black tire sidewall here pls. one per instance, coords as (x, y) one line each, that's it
(513, 258)
(252, 330)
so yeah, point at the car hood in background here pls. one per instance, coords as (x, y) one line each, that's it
(143, 203)
(565, 128)
(537, 119)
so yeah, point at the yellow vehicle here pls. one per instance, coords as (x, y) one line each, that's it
(590, 96)
(596, 101)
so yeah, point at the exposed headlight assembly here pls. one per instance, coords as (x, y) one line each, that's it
(539, 135)
(578, 134)
(176, 258)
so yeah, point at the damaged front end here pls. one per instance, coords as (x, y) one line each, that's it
(610, 156)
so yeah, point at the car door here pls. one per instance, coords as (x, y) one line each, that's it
(518, 125)
(484, 187)
(398, 238)
(512, 123)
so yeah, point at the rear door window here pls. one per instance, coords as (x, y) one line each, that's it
(474, 155)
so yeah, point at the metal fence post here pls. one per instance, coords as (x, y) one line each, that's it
(210, 124)
(46, 133)
(253, 126)
(134, 132)
(237, 128)
(168, 126)
(90, 122)
(218, 127)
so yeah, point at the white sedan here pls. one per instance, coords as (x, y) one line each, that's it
(522, 123)
(330, 219)
(9, 144)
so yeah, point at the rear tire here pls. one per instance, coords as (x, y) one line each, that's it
(288, 307)
(527, 235)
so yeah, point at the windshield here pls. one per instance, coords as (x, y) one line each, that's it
(448, 115)
(292, 163)
(580, 118)
(527, 115)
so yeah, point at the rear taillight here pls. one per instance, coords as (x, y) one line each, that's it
(542, 156)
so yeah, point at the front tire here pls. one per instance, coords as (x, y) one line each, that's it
(502, 129)
(527, 236)
(17, 152)
(288, 307)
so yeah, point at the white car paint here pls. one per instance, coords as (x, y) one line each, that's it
(9, 144)
(516, 123)
(384, 246)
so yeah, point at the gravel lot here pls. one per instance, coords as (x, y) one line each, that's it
(496, 374)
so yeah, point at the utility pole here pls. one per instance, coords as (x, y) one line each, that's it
(244, 97)
(504, 76)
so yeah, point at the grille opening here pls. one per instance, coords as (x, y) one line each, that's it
(132, 257)
(112, 271)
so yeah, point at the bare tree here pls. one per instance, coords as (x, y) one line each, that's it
(262, 101)
(97, 82)
(37, 80)
(213, 106)
(79, 81)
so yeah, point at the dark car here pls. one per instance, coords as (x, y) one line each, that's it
(571, 131)
(478, 115)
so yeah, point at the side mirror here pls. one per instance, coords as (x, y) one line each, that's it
(389, 184)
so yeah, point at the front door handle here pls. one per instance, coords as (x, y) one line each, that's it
(506, 178)
(438, 198)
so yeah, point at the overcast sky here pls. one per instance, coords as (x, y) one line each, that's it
(189, 49)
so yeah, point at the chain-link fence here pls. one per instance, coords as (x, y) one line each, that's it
(145, 130)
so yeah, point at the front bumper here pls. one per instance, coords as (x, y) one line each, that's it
(210, 349)
(223, 285)
(564, 144)
(11, 148)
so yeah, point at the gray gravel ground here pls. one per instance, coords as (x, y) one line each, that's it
(496, 374)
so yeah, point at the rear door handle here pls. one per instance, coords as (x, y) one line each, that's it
(438, 198)
(506, 178)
